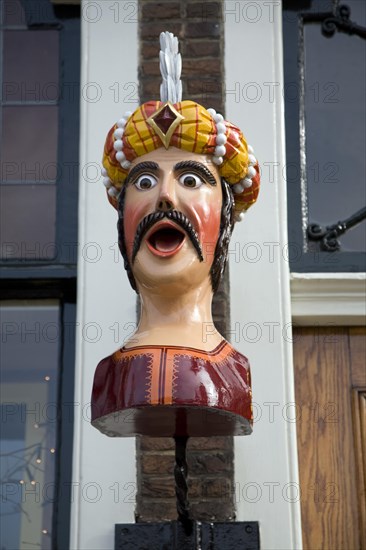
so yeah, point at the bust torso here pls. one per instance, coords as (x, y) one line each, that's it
(178, 389)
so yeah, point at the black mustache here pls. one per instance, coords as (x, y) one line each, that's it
(178, 217)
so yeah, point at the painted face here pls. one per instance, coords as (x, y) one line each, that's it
(172, 213)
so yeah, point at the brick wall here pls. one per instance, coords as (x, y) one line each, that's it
(199, 27)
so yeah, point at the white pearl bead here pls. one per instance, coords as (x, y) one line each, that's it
(118, 145)
(238, 188)
(251, 172)
(247, 182)
(220, 151)
(121, 123)
(212, 112)
(220, 128)
(104, 172)
(120, 156)
(218, 118)
(113, 192)
(241, 216)
(250, 149)
(252, 159)
(118, 133)
(126, 164)
(221, 139)
(107, 182)
(217, 160)
(127, 115)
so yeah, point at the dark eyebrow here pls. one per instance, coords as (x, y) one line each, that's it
(197, 167)
(141, 167)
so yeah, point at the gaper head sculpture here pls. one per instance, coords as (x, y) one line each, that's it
(180, 176)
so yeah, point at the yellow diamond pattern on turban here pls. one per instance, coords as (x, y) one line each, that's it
(164, 122)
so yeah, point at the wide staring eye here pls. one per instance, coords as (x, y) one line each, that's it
(190, 180)
(145, 182)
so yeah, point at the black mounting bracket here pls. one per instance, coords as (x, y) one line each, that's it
(241, 535)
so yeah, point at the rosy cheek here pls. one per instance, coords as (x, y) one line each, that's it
(209, 217)
(133, 214)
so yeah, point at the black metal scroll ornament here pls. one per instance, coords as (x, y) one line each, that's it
(329, 234)
(340, 21)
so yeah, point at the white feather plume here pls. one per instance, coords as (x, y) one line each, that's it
(170, 68)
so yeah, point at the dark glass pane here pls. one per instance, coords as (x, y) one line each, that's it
(335, 80)
(29, 376)
(12, 13)
(31, 67)
(29, 143)
(27, 224)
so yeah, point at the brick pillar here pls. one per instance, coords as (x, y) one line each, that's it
(200, 29)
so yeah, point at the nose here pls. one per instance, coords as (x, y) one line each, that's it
(165, 205)
(166, 198)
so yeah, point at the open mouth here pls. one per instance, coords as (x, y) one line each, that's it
(165, 240)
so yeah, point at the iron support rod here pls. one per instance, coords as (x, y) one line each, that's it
(181, 483)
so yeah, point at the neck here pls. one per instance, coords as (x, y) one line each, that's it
(181, 319)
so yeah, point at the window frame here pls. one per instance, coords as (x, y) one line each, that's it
(65, 292)
(56, 279)
(308, 11)
(43, 15)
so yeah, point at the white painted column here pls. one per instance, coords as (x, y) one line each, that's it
(104, 474)
(266, 467)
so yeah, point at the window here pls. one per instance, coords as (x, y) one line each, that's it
(39, 130)
(29, 411)
(39, 127)
(325, 76)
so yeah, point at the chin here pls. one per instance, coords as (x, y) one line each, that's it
(170, 276)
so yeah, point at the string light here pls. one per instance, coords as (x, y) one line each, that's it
(33, 482)
(36, 425)
(38, 460)
(44, 531)
(52, 450)
(47, 378)
(21, 482)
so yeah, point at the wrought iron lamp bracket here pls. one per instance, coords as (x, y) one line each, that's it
(340, 21)
(329, 234)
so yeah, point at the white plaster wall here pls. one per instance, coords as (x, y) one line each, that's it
(103, 468)
(266, 473)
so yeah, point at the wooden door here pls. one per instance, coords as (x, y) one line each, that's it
(330, 386)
